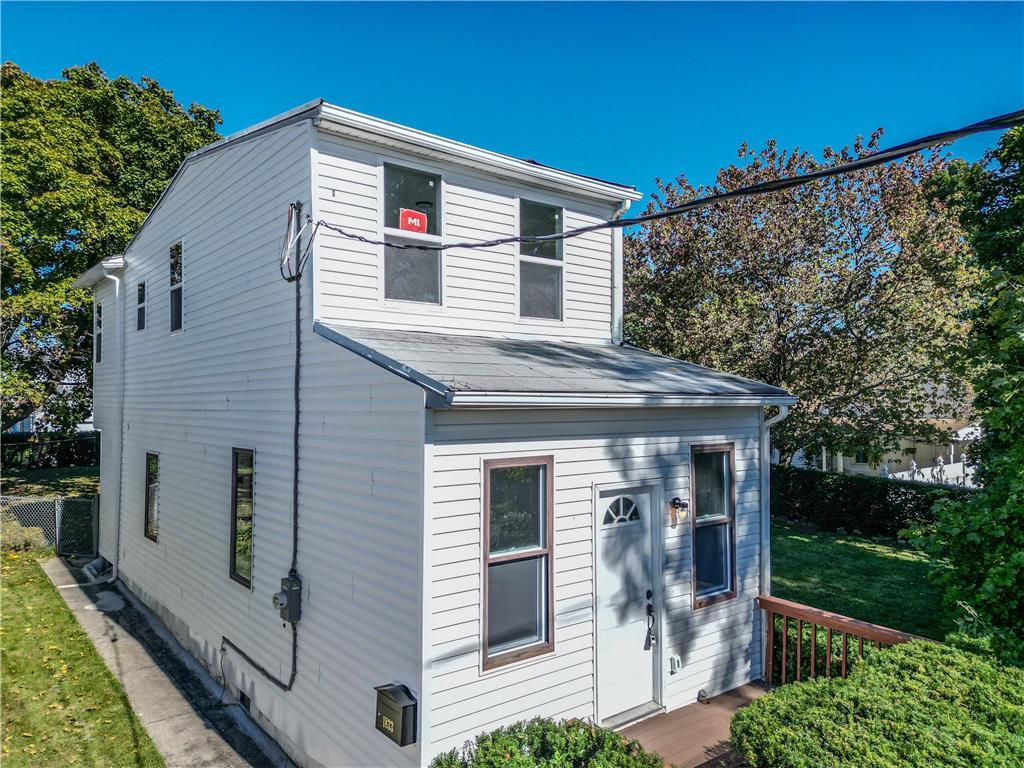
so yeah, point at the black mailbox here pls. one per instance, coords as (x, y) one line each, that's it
(396, 714)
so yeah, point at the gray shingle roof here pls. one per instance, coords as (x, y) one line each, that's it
(455, 366)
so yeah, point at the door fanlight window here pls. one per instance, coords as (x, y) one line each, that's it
(622, 510)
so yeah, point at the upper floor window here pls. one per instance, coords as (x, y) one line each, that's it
(540, 264)
(152, 510)
(412, 204)
(518, 559)
(714, 524)
(241, 515)
(140, 312)
(97, 332)
(176, 283)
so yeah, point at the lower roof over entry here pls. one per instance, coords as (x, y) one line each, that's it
(466, 371)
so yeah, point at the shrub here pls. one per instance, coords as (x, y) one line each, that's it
(875, 506)
(918, 705)
(39, 450)
(549, 744)
(15, 536)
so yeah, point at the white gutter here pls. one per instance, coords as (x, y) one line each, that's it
(481, 399)
(766, 502)
(373, 130)
(617, 266)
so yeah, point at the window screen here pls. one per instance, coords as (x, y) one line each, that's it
(152, 514)
(413, 191)
(241, 515)
(714, 521)
(540, 290)
(518, 560)
(412, 274)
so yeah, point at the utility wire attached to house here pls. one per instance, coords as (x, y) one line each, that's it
(881, 157)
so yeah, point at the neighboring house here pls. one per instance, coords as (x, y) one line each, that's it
(500, 507)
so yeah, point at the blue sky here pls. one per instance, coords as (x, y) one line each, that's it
(626, 92)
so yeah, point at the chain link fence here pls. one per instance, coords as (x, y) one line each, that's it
(70, 525)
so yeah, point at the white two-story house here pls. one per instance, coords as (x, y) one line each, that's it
(436, 469)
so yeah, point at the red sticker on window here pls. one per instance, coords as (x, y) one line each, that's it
(412, 221)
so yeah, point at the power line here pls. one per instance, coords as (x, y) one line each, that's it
(877, 158)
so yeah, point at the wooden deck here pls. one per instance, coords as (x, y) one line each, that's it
(697, 734)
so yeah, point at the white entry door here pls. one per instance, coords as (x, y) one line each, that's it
(626, 607)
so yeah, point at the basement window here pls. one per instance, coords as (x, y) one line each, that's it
(714, 524)
(152, 514)
(242, 460)
(140, 311)
(177, 308)
(518, 560)
(540, 264)
(97, 332)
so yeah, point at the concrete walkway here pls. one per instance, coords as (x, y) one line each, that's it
(176, 700)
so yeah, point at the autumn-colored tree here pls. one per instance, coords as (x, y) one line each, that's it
(849, 292)
(84, 159)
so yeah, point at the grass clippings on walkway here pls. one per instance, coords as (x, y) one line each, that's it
(868, 580)
(57, 481)
(61, 705)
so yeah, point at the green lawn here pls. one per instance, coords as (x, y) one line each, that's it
(60, 481)
(857, 577)
(61, 705)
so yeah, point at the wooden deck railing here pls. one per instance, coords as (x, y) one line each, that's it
(792, 626)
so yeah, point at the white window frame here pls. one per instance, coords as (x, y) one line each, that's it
(520, 258)
(178, 287)
(390, 232)
(97, 332)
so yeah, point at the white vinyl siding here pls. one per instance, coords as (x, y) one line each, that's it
(719, 645)
(227, 381)
(479, 286)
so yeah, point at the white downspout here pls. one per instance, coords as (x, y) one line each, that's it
(766, 502)
(617, 257)
(119, 322)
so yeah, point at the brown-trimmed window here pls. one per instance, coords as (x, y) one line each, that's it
(177, 305)
(242, 461)
(519, 606)
(713, 487)
(97, 332)
(152, 519)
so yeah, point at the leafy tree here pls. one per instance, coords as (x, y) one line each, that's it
(847, 291)
(84, 158)
(982, 540)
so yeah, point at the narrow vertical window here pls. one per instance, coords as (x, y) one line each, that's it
(540, 263)
(97, 332)
(714, 524)
(176, 280)
(140, 312)
(241, 515)
(152, 496)
(518, 560)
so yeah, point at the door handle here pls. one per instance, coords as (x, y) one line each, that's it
(652, 638)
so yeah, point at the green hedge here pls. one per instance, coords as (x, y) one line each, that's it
(542, 743)
(875, 506)
(39, 450)
(918, 705)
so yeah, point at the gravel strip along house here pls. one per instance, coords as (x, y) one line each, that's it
(413, 494)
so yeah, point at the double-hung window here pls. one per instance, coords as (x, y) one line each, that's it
(412, 217)
(152, 502)
(714, 524)
(176, 282)
(518, 560)
(97, 332)
(540, 263)
(241, 515)
(140, 307)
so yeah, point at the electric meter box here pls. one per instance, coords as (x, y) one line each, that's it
(396, 714)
